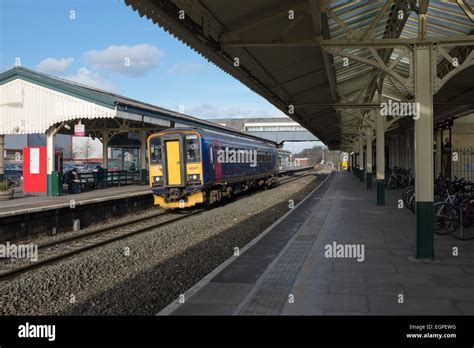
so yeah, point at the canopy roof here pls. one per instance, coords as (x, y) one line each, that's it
(292, 52)
(31, 102)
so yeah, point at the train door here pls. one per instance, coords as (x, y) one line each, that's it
(217, 166)
(174, 175)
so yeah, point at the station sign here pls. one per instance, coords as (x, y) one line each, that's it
(79, 130)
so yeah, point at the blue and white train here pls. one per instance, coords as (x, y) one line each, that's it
(189, 166)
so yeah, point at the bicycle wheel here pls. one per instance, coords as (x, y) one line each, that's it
(441, 213)
(391, 183)
(412, 202)
(452, 220)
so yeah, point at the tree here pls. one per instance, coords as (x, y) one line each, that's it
(84, 150)
(314, 154)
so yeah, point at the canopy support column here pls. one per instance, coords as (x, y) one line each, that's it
(105, 149)
(51, 175)
(380, 156)
(143, 171)
(368, 153)
(424, 182)
(2, 151)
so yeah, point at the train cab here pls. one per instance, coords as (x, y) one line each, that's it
(175, 162)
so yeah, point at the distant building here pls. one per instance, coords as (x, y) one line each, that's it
(14, 145)
(302, 162)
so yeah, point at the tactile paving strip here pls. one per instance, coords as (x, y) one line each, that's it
(273, 292)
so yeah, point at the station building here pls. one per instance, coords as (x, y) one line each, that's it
(42, 110)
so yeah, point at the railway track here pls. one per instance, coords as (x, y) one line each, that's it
(67, 247)
(61, 249)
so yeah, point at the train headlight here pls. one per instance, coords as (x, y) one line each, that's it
(158, 179)
(194, 177)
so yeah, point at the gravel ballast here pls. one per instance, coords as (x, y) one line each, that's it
(161, 264)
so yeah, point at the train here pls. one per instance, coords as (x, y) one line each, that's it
(285, 159)
(191, 166)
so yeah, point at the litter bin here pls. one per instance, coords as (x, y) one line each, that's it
(55, 184)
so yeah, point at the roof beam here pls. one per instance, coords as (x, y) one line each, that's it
(459, 40)
(256, 19)
(321, 30)
(468, 10)
(297, 79)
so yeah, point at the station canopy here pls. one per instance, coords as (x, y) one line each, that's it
(33, 102)
(329, 60)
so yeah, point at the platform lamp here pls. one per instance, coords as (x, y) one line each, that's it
(448, 124)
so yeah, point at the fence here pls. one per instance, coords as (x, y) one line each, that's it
(463, 163)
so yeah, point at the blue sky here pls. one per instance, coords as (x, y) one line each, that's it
(91, 41)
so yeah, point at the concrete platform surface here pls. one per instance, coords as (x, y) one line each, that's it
(289, 270)
(40, 203)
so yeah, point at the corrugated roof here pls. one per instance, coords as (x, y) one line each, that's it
(282, 60)
(105, 99)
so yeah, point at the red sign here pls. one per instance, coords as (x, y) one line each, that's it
(34, 169)
(79, 130)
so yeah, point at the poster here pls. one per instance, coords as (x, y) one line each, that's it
(34, 160)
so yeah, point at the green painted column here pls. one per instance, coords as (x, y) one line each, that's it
(424, 182)
(53, 184)
(380, 155)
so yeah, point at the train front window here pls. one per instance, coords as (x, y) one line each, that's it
(156, 155)
(192, 148)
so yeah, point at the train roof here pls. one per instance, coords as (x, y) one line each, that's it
(236, 134)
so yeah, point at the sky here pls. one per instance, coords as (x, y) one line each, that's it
(105, 44)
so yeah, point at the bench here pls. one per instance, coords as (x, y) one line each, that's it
(93, 180)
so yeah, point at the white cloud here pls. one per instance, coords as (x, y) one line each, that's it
(54, 66)
(92, 79)
(182, 68)
(126, 60)
(209, 111)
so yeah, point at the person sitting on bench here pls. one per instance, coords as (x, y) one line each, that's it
(73, 181)
(100, 176)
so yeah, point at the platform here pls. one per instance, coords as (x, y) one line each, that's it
(285, 271)
(40, 203)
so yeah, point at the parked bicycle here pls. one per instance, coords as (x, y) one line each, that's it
(453, 207)
(397, 177)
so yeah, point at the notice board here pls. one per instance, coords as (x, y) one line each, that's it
(34, 169)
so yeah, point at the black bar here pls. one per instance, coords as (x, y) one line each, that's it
(259, 330)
